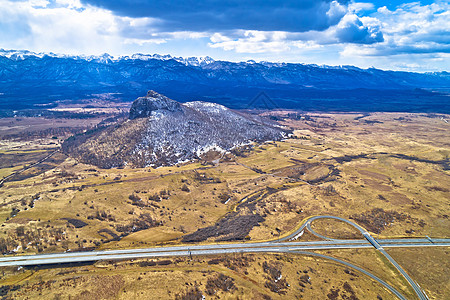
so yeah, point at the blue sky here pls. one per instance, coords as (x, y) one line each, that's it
(398, 35)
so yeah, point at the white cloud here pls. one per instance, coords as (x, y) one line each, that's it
(336, 12)
(251, 41)
(360, 6)
(411, 28)
(39, 3)
(306, 45)
(351, 29)
(140, 42)
(69, 27)
(408, 36)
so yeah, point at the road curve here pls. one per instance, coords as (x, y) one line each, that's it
(368, 237)
(382, 282)
(308, 222)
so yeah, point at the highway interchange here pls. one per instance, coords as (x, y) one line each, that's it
(287, 244)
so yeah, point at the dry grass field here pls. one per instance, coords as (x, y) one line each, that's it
(388, 172)
(226, 277)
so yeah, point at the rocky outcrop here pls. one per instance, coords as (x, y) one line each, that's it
(144, 106)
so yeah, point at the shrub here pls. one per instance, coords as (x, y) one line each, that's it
(221, 282)
(190, 294)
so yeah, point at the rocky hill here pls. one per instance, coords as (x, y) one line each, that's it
(161, 131)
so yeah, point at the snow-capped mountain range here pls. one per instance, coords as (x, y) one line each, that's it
(106, 58)
(28, 78)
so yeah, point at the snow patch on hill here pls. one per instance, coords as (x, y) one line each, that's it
(161, 131)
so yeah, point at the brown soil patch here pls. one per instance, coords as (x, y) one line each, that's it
(19, 221)
(405, 167)
(374, 175)
(399, 199)
(376, 185)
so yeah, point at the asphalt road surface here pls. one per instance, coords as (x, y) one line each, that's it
(76, 257)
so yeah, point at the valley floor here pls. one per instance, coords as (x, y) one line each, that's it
(388, 172)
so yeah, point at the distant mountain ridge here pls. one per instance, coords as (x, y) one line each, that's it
(188, 61)
(106, 58)
(28, 78)
(161, 132)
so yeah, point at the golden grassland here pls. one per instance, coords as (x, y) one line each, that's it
(265, 276)
(347, 165)
(335, 229)
(26, 125)
(428, 266)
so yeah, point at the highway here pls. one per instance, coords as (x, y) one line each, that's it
(287, 244)
(382, 282)
(76, 257)
(369, 238)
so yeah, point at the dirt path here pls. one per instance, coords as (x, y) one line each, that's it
(27, 168)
